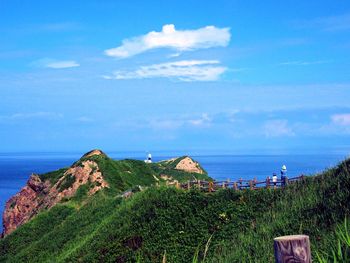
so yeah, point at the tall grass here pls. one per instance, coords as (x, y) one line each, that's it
(340, 249)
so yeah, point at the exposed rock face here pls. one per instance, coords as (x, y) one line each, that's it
(38, 195)
(21, 207)
(94, 152)
(190, 166)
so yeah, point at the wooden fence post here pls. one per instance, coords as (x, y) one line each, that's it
(286, 181)
(268, 182)
(235, 186)
(294, 248)
(211, 184)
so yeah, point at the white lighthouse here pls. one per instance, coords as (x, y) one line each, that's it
(149, 158)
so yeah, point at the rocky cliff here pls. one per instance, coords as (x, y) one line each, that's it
(92, 172)
(41, 193)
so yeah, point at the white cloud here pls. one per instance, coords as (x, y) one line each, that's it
(277, 128)
(84, 119)
(166, 124)
(304, 63)
(204, 120)
(184, 70)
(55, 64)
(32, 115)
(341, 119)
(63, 64)
(169, 37)
(334, 23)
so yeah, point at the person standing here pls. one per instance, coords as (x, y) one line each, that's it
(274, 180)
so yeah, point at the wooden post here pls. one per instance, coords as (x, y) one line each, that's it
(254, 182)
(177, 185)
(286, 182)
(235, 186)
(268, 182)
(250, 184)
(294, 248)
(210, 186)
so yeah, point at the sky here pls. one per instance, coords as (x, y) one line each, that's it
(225, 75)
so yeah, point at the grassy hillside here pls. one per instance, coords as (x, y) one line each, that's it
(240, 225)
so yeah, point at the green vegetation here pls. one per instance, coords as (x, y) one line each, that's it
(67, 182)
(160, 222)
(54, 176)
(340, 249)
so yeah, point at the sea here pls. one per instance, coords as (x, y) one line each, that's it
(15, 168)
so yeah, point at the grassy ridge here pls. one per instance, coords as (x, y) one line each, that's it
(242, 224)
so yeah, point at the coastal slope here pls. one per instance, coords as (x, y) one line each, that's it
(91, 173)
(162, 222)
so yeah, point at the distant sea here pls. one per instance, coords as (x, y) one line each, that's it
(15, 168)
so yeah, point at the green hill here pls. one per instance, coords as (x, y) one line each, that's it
(159, 221)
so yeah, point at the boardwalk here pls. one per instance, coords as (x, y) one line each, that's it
(212, 186)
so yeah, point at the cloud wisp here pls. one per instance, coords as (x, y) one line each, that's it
(169, 37)
(20, 116)
(184, 70)
(277, 128)
(341, 119)
(55, 64)
(62, 64)
(335, 23)
(303, 63)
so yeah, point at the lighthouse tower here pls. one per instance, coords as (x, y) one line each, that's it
(149, 158)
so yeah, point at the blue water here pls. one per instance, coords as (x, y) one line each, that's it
(15, 168)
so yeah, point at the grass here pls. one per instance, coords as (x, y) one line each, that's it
(225, 226)
(54, 176)
(67, 182)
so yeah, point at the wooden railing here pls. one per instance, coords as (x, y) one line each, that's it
(212, 186)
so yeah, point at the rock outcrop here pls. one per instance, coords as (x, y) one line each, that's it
(38, 195)
(189, 165)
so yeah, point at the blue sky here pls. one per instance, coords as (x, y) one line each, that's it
(184, 75)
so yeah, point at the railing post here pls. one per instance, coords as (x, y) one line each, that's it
(286, 181)
(210, 186)
(235, 186)
(294, 248)
(268, 182)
